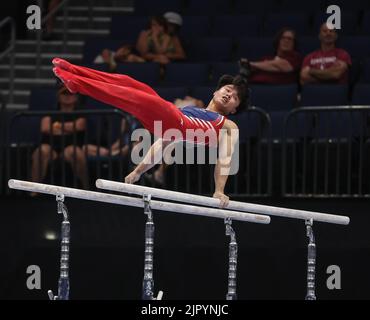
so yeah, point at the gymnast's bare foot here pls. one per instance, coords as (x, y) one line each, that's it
(62, 64)
(65, 77)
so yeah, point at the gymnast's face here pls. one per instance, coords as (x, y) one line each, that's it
(226, 99)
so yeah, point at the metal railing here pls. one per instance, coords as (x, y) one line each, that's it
(254, 177)
(10, 50)
(103, 128)
(326, 152)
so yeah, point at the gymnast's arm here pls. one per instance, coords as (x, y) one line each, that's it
(153, 157)
(229, 136)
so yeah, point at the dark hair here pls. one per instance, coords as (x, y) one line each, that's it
(160, 20)
(279, 35)
(241, 85)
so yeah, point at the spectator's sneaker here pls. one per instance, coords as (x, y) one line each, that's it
(63, 76)
(62, 64)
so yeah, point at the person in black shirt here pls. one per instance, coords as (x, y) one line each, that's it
(62, 136)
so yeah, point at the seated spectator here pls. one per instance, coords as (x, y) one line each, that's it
(59, 133)
(157, 45)
(124, 54)
(328, 64)
(121, 145)
(283, 68)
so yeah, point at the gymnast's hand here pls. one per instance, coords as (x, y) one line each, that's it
(224, 199)
(132, 177)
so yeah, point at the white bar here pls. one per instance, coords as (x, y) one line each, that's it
(213, 202)
(136, 202)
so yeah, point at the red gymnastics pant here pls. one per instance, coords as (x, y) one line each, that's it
(123, 92)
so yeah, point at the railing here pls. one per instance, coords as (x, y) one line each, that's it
(103, 128)
(326, 152)
(10, 50)
(2, 141)
(254, 177)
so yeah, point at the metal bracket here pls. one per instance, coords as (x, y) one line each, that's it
(148, 281)
(233, 261)
(63, 283)
(311, 261)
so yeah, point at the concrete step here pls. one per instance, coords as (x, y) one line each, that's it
(19, 97)
(30, 58)
(26, 46)
(98, 11)
(83, 22)
(25, 71)
(28, 83)
(82, 34)
(16, 106)
(103, 3)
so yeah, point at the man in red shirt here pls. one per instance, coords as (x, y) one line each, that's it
(328, 64)
(283, 68)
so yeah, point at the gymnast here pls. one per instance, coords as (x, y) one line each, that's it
(140, 100)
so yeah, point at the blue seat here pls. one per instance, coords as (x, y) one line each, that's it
(25, 130)
(195, 27)
(208, 7)
(301, 6)
(125, 27)
(296, 21)
(349, 22)
(94, 46)
(204, 93)
(365, 26)
(147, 72)
(243, 6)
(324, 95)
(357, 46)
(274, 98)
(221, 68)
(43, 99)
(171, 94)
(361, 94)
(186, 74)
(157, 7)
(254, 48)
(236, 25)
(210, 49)
(250, 124)
(277, 123)
(308, 44)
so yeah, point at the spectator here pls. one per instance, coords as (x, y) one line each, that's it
(283, 67)
(58, 140)
(157, 45)
(328, 64)
(120, 145)
(123, 54)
